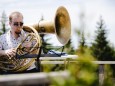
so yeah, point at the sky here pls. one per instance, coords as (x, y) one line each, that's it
(33, 10)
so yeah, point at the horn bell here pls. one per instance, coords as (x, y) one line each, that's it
(62, 25)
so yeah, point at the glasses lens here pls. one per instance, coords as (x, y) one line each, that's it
(21, 23)
(18, 23)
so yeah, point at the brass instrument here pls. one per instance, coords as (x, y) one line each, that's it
(61, 27)
(14, 64)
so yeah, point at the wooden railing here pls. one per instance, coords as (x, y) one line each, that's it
(40, 78)
(68, 59)
(35, 79)
(31, 79)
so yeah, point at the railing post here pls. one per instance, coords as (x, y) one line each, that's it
(101, 74)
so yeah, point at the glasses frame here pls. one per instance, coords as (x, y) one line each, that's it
(18, 23)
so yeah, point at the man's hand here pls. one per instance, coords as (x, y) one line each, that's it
(10, 52)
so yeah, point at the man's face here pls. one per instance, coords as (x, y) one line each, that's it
(16, 24)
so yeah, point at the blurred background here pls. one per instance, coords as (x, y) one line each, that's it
(84, 15)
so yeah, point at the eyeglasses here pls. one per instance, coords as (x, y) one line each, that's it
(18, 23)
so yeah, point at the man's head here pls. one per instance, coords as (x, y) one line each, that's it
(16, 22)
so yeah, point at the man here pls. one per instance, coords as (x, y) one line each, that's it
(10, 40)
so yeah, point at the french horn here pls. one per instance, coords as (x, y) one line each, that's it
(61, 26)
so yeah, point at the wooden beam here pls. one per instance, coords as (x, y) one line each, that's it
(30, 78)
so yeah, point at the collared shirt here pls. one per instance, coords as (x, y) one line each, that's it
(7, 41)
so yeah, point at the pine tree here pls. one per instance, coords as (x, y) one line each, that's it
(81, 33)
(68, 48)
(3, 22)
(82, 40)
(82, 43)
(100, 48)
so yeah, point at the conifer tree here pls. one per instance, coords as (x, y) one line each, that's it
(101, 49)
(3, 22)
(68, 48)
(81, 33)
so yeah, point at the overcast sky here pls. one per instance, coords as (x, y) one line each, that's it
(92, 9)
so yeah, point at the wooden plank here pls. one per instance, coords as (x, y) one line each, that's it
(60, 58)
(52, 62)
(63, 62)
(104, 62)
(30, 78)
